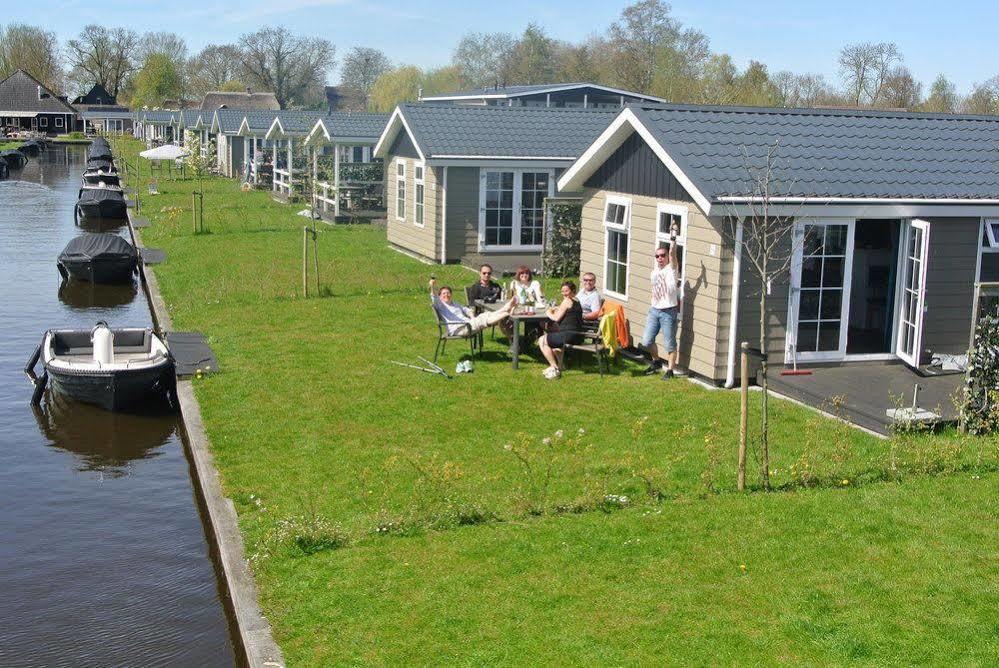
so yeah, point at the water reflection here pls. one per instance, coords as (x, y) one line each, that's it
(102, 440)
(84, 295)
(90, 224)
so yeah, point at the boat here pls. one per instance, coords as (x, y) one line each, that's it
(4, 170)
(15, 159)
(32, 147)
(97, 176)
(101, 202)
(105, 164)
(98, 258)
(99, 152)
(112, 368)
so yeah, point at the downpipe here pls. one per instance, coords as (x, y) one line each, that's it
(733, 325)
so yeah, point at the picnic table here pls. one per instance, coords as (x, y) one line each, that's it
(520, 314)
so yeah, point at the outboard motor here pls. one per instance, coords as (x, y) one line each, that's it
(103, 340)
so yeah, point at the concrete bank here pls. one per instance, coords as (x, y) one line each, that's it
(258, 647)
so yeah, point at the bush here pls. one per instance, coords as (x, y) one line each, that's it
(561, 254)
(980, 408)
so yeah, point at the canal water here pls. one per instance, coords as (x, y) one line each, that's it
(103, 555)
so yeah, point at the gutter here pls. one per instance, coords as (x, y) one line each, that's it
(733, 325)
(444, 217)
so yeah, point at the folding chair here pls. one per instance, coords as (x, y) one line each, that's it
(444, 335)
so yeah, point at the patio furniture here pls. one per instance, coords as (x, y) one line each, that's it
(519, 315)
(477, 308)
(444, 335)
(592, 343)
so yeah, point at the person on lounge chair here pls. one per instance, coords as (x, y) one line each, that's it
(459, 318)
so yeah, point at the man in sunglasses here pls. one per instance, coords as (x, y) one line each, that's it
(486, 289)
(665, 309)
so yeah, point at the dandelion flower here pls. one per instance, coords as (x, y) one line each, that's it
(581, 431)
(558, 434)
(845, 482)
(546, 441)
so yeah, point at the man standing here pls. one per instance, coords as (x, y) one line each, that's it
(664, 311)
(589, 297)
(486, 289)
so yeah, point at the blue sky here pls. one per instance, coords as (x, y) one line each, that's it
(958, 39)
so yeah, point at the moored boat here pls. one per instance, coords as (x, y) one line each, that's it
(105, 164)
(99, 258)
(101, 202)
(98, 176)
(14, 158)
(4, 170)
(32, 147)
(113, 368)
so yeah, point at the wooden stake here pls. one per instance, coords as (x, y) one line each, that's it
(315, 257)
(744, 419)
(305, 262)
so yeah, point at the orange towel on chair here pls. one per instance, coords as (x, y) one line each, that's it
(620, 321)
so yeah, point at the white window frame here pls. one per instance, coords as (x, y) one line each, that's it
(624, 227)
(419, 187)
(400, 189)
(518, 185)
(682, 213)
(991, 234)
(43, 121)
(58, 121)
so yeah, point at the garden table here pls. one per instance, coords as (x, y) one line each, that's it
(520, 314)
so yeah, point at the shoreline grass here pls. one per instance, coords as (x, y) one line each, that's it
(317, 437)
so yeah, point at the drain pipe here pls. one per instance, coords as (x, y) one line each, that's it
(733, 325)
(444, 218)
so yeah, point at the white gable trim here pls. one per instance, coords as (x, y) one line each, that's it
(313, 138)
(388, 135)
(609, 141)
(276, 130)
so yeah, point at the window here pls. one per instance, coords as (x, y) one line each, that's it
(58, 121)
(43, 121)
(418, 194)
(670, 215)
(617, 220)
(357, 154)
(513, 208)
(991, 239)
(400, 190)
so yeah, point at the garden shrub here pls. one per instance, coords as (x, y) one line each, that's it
(561, 253)
(980, 408)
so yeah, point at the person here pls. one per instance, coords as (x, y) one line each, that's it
(589, 297)
(664, 310)
(457, 316)
(569, 317)
(486, 290)
(525, 288)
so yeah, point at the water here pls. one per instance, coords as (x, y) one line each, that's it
(103, 556)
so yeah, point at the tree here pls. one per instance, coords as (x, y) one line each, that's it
(984, 98)
(362, 67)
(232, 86)
(718, 82)
(395, 86)
(103, 55)
(484, 59)
(804, 90)
(901, 90)
(214, 67)
(865, 67)
(442, 80)
(532, 59)
(576, 62)
(157, 80)
(754, 88)
(294, 68)
(32, 49)
(942, 98)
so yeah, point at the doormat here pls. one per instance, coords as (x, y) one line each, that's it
(153, 256)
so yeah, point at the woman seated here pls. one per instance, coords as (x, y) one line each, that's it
(525, 288)
(569, 318)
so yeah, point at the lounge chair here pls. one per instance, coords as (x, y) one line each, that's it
(443, 335)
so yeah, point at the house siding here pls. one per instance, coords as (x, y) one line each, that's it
(634, 168)
(697, 338)
(406, 234)
(462, 212)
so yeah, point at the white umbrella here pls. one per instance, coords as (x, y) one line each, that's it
(165, 152)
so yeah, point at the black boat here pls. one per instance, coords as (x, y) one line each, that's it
(98, 176)
(30, 147)
(113, 368)
(99, 258)
(99, 152)
(105, 164)
(4, 170)
(101, 202)
(15, 159)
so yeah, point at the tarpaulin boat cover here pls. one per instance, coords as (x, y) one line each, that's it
(99, 153)
(89, 246)
(100, 195)
(99, 163)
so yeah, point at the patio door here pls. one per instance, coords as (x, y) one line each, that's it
(821, 267)
(913, 291)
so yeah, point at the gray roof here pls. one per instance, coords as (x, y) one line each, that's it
(157, 116)
(505, 92)
(357, 124)
(229, 120)
(259, 121)
(831, 153)
(298, 122)
(187, 117)
(20, 93)
(503, 132)
(217, 100)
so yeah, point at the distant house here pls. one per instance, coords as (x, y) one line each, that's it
(342, 98)
(156, 125)
(25, 104)
(583, 95)
(100, 112)
(233, 150)
(239, 100)
(465, 183)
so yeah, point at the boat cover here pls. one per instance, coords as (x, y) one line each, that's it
(100, 195)
(88, 246)
(99, 153)
(99, 163)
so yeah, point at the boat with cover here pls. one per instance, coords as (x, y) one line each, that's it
(101, 163)
(101, 201)
(15, 159)
(4, 170)
(98, 258)
(113, 368)
(99, 151)
(95, 177)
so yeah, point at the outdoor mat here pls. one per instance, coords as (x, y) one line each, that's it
(153, 256)
(140, 222)
(190, 353)
(130, 203)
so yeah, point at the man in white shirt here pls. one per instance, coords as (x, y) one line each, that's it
(665, 309)
(589, 297)
(460, 320)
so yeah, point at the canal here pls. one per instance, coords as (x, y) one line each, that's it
(103, 557)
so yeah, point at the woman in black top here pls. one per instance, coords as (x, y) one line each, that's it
(569, 316)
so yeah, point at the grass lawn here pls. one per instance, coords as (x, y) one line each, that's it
(7, 145)
(398, 517)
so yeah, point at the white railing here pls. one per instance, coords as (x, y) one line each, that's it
(326, 198)
(282, 181)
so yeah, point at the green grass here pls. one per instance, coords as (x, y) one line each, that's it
(7, 145)
(872, 551)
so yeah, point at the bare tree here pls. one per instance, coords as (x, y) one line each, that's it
(484, 59)
(901, 90)
(767, 244)
(362, 67)
(804, 90)
(103, 55)
(866, 67)
(213, 67)
(32, 49)
(294, 68)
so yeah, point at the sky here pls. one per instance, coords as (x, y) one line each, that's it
(954, 39)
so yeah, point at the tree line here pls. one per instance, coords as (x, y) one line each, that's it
(646, 49)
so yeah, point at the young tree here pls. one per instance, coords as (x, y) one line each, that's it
(214, 67)
(983, 99)
(532, 60)
(32, 49)
(294, 68)
(399, 85)
(484, 59)
(157, 80)
(362, 67)
(103, 55)
(442, 80)
(942, 98)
